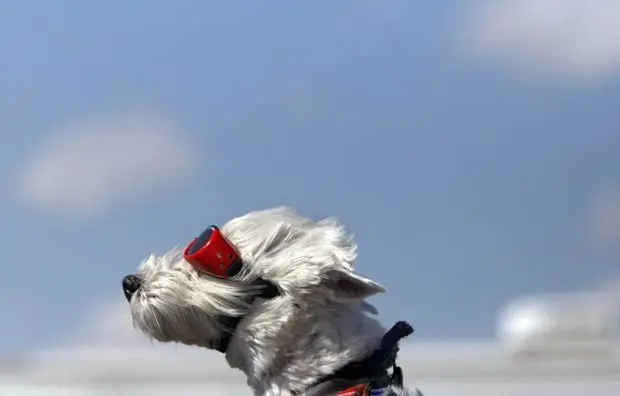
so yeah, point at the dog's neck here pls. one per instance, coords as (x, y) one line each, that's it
(283, 349)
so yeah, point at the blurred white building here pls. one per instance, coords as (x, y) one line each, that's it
(551, 345)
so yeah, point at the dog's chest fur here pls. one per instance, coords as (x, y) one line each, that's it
(284, 350)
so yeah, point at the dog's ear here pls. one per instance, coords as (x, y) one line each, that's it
(344, 285)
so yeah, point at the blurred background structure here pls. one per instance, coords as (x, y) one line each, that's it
(556, 345)
(471, 147)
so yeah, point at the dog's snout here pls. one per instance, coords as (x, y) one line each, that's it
(131, 284)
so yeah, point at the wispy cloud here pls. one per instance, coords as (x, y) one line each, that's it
(576, 40)
(87, 166)
(108, 324)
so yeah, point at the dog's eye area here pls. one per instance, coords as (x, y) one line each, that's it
(201, 241)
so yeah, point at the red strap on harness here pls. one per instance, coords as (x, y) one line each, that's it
(357, 390)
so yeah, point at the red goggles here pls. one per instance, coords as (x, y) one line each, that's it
(212, 254)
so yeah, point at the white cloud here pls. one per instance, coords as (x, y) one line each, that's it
(108, 324)
(105, 345)
(577, 40)
(604, 219)
(87, 166)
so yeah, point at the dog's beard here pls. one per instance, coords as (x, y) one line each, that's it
(173, 323)
(176, 304)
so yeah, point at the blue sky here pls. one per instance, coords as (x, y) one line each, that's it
(469, 169)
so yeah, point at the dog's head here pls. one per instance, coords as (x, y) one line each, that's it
(188, 296)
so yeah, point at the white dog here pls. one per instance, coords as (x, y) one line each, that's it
(278, 295)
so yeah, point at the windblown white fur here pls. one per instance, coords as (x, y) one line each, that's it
(283, 345)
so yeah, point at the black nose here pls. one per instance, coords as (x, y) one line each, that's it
(131, 284)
